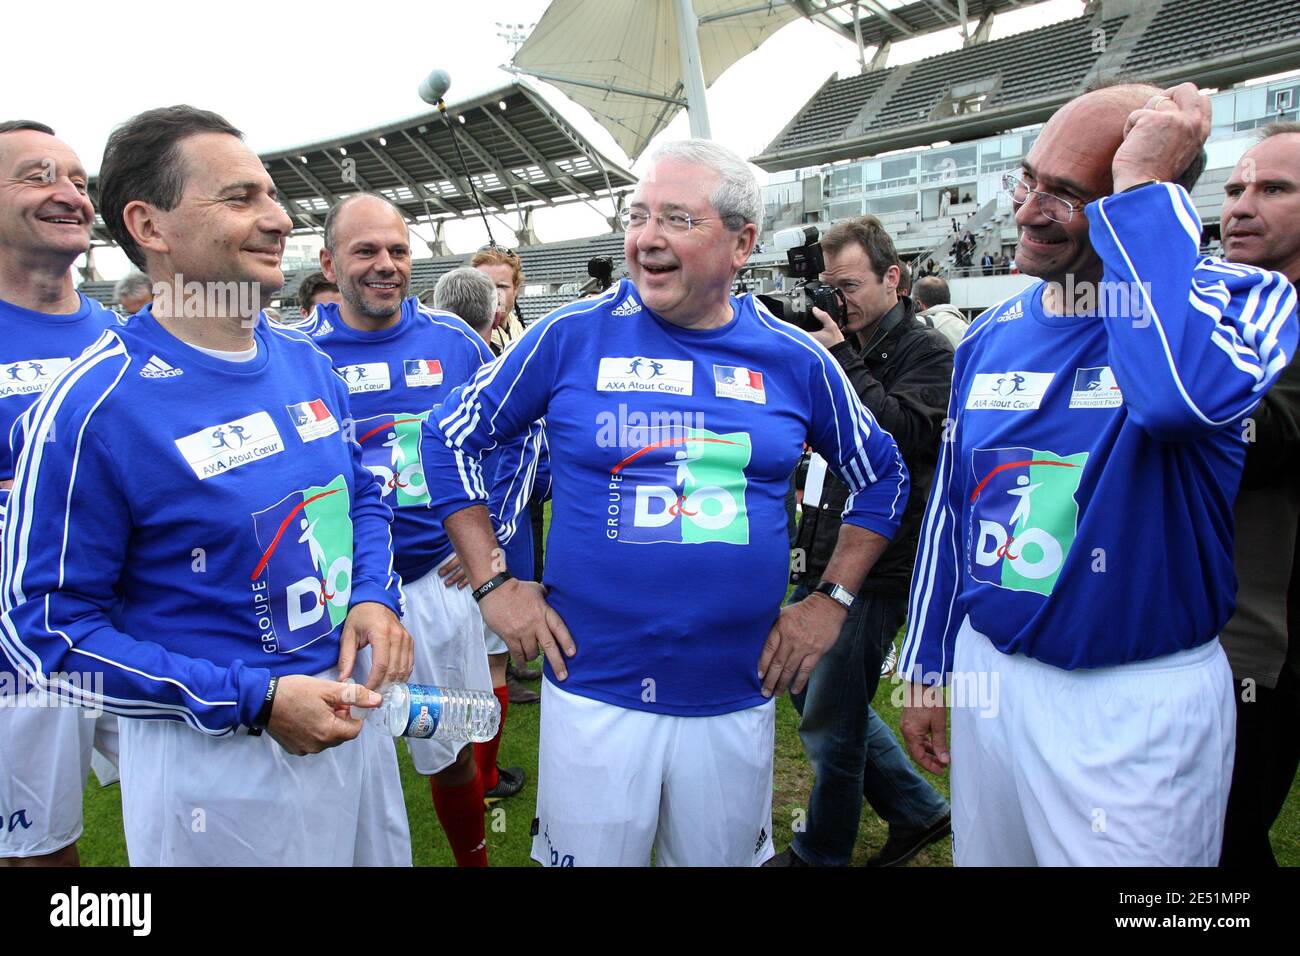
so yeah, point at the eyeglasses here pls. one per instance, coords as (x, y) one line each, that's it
(674, 222)
(1053, 207)
(500, 250)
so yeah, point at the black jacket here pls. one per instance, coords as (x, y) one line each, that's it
(1259, 639)
(904, 380)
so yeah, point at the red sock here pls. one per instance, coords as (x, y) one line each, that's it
(460, 811)
(485, 755)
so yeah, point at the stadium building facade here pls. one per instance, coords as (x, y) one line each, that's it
(905, 190)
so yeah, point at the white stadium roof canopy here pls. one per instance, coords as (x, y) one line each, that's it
(632, 63)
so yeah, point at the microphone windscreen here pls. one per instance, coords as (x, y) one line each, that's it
(434, 86)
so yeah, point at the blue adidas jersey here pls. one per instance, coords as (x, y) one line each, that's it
(1081, 513)
(671, 451)
(522, 474)
(34, 348)
(394, 377)
(220, 503)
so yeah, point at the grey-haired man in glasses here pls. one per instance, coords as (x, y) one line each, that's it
(1076, 560)
(678, 411)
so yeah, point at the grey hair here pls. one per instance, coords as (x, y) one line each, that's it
(133, 283)
(468, 293)
(737, 197)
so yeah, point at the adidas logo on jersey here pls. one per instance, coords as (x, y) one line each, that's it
(1016, 311)
(629, 307)
(157, 368)
(323, 329)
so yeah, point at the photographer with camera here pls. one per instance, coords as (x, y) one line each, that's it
(902, 371)
(601, 270)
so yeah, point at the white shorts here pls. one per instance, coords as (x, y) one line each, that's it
(193, 800)
(104, 758)
(494, 642)
(1117, 766)
(447, 628)
(614, 784)
(44, 757)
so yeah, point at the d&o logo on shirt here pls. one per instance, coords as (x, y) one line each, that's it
(685, 486)
(390, 448)
(303, 581)
(1023, 516)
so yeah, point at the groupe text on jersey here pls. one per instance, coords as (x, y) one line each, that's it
(671, 453)
(217, 508)
(1081, 512)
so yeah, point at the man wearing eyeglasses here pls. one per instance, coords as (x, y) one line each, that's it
(1076, 560)
(45, 223)
(676, 413)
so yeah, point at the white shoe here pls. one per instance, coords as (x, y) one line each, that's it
(891, 660)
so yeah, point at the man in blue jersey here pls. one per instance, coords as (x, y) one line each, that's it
(399, 359)
(45, 221)
(675, 414)
(902, 371)
(1076, 558)
(503, 268)
(522, 474)
(225, 554)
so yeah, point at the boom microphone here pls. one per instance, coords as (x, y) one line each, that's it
(434, 87)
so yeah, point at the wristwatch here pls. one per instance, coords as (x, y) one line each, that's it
(837, 593)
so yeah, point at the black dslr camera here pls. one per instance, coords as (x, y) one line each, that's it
(601, 268)
(806, 266)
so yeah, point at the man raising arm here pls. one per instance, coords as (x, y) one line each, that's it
(1076, 563)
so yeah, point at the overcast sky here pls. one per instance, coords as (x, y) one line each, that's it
(293, 73)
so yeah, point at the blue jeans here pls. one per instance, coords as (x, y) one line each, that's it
(853, 752)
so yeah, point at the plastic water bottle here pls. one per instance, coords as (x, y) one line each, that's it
(425, 710)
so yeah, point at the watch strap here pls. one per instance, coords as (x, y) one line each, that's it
(837, 593)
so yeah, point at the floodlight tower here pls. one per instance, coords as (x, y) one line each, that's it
(515, 34)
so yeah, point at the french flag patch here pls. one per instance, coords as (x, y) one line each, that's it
(422, 372)
(312, 419)
(743, 384)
